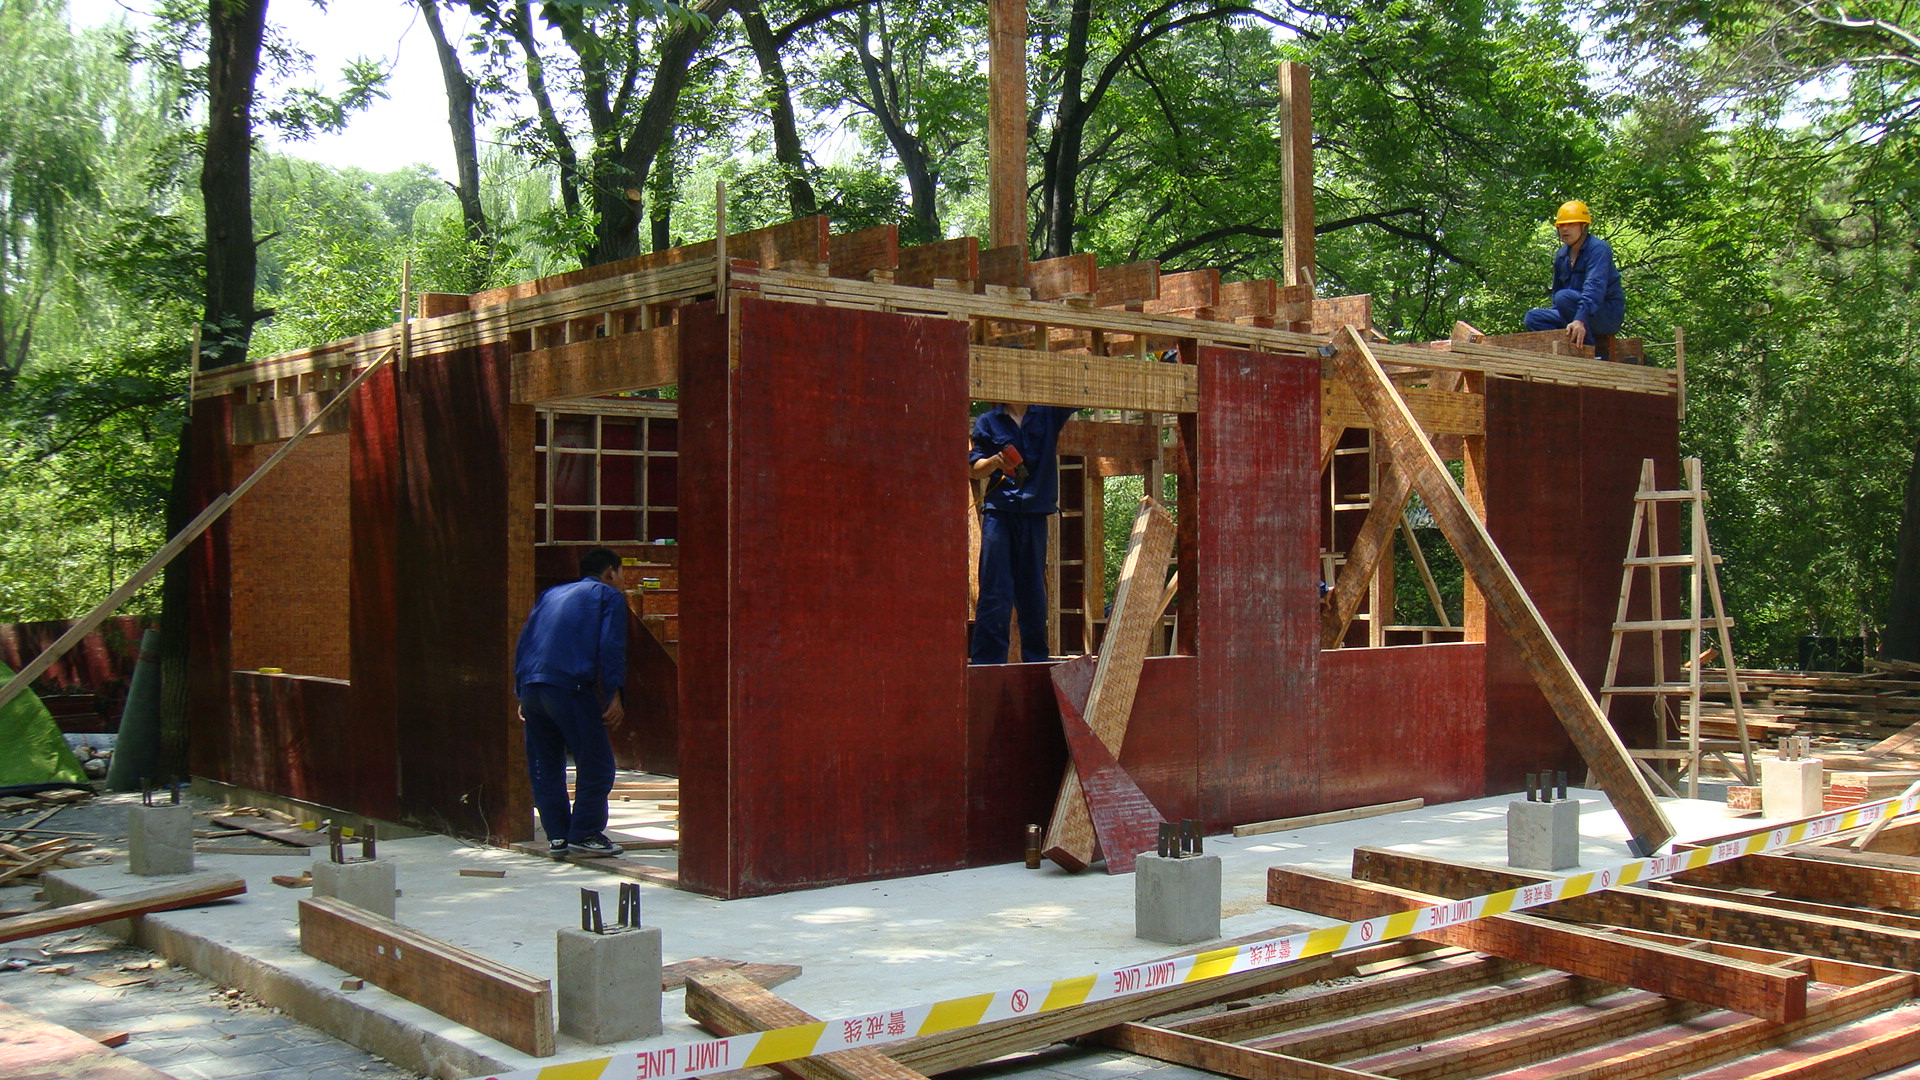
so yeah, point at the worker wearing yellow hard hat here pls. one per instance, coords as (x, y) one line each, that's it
(1587, 300)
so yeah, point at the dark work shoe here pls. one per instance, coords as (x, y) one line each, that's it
(596, 846)
(556, 849)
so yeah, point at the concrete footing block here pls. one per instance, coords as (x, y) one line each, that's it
(1790, 789)
(159, 840)
(1543, 835)
(370, 884)
(607, 986)
(1176, 900)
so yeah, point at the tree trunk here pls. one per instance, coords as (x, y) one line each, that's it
(1060, 171)
(661, 193)
(460, 102)
(1901, 640)
(786, 131)
(235, 31)
(884, 100)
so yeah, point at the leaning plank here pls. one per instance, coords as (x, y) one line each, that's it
(1572, 702)
(36, 1049)
(728, 1003)
(1136, 614)
(191, 893)
(1701, 917)
(637, 361)
(498, 1001)
(1224, 1058)
(1754, 989)
(1697, 1050)
(1331, 817)
(1373, 542)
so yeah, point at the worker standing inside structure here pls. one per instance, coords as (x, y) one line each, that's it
(1587, 300)
(1013, 447)
(569, 666)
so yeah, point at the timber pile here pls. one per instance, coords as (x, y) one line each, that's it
(29, 861)
(1873, 705)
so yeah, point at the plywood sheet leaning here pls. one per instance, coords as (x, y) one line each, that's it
(1136, 611)
(498, 1001)
(1572, 702)
(727, 1003)
(1721, 982)
(1124, 820)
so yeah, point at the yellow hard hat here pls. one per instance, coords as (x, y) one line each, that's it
(1571, 211)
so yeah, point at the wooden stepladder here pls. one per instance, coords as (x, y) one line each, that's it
(1667, 694)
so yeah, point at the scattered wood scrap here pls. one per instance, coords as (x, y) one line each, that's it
(37, 1049)
(283, 833)
(674, 975)
(301, 880)
(191, 893)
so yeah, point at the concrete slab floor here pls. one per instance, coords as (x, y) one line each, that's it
(863, 946)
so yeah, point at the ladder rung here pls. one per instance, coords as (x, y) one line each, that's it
(1669, 624)
(1669, 688)
(1663, 560)
(1669, 496)
(1662, 755)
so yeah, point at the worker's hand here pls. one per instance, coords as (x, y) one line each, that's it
(521, 712)
(615, 713)
(1577, 332)
(986, 466)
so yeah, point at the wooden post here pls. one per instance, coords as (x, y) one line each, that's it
(1572, 702)
(1007, 122)
(1296, 171)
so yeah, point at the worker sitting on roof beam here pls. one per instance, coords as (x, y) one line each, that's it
(1587, 300)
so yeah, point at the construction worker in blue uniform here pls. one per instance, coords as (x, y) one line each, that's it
(1013, 449)
(1587, 300)
(568, 669)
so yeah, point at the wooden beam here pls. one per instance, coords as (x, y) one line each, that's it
(1308, 821)
(1068, 275)
(1296, 172)
(1701, 917)
(1804, 907)
(1224, 1058)
(1692, 1051)
(951, 260)
(641, 360)
(1754, 989)
(1439, 412)
(192, 892)
(1330, 1002)
(278, 418)
(1186, 293)
(962, 1047)
(1497, 1005)
(1373, 542)
(498, 1001)
(1082, 381)
(727, 1003)
(1820, 880)
(1519, 1045)
(1128, 284)
(1091, 438)
(1335, 312)
(1005, 266)
(1136, 615)
(1007, 122)
(1505, 597)
(857, 254)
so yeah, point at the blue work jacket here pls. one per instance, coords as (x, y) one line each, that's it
(1592, 275)
(1035, 437)
(575, 638)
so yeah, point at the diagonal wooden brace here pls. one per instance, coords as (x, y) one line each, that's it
(1373, 542)
(1572, 702)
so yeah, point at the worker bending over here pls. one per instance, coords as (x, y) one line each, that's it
(1013, 447)
(1587, 300)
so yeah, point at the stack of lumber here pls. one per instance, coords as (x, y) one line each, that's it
(1872, 705)
(19, 863)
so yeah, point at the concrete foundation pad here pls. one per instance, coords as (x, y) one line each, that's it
(1790, 789)
(159, 840)
(1176, 901)
(864, 947)
(608, 986)
(368, 885)
(1543, 835)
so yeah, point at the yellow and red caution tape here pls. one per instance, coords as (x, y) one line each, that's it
(909, 1022)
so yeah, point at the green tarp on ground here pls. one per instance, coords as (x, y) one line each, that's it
(32, 750)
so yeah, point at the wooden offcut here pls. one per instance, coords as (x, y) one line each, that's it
(728, 1003)
(1330, 817)
(1505, 597)
(674, 976)
(35, 1049)
(498, 1001)
(190, 893)
(1754, 989)
(1136, 614)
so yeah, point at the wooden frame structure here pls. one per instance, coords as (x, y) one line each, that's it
(822, 383)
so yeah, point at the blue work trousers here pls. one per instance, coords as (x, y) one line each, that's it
(1566, 305)
(561, 720)
(1013, 571)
